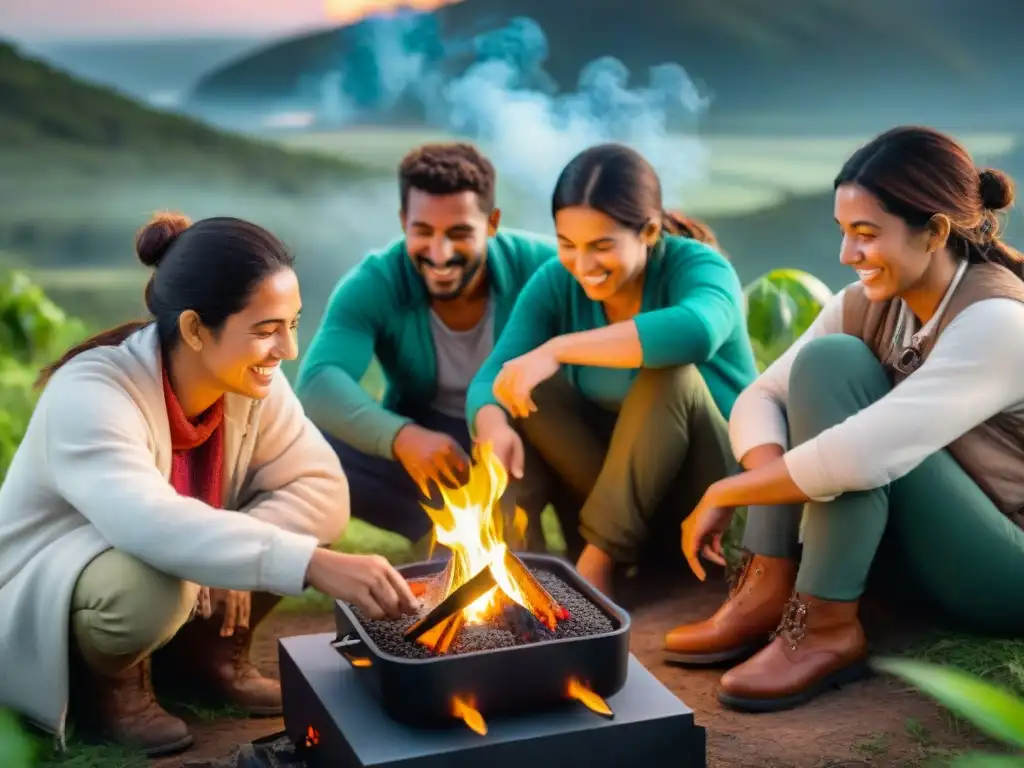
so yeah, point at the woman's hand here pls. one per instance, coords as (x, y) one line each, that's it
(492, 427)
(514, 385)
(367, 581)
(236, 606)
(702, 533)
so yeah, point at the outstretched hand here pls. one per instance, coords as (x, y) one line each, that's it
(702, 534)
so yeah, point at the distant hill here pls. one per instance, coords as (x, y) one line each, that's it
(149, 69)
(843, 61)
(51, 122)
(81, 167)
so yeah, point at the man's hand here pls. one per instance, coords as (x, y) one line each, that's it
(428, 455)
(492, 427)
(702, 533)
(237, 606)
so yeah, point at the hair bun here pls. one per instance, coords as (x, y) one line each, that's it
(152, 240)
(996, 189)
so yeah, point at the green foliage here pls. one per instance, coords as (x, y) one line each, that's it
(994, 710)
(31, 326)
(781, 305)
(33, 332)
(17, 748)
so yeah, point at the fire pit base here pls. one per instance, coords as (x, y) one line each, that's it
(337, 722)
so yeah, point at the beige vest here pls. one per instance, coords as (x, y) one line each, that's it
(993, 452)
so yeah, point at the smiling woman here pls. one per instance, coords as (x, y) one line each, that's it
(114, 535)
(621, 363)
(861, 442)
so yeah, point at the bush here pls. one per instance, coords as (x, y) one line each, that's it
(17, 749)
(33, 332)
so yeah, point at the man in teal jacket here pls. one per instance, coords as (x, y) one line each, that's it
(429, 306)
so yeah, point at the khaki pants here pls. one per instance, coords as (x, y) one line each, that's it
(122, 610)
(636, 473)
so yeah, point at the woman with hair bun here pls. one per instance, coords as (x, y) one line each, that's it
(168, 490)
(620, 363)
(897, 419)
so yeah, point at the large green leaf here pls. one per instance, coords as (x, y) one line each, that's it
(995, 711)
(31, 326)
(780, 306)
(987, 761)
(17, 749)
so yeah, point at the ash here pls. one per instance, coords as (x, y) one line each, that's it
(515, 626)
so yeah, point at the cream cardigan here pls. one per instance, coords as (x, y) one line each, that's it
(92, 474)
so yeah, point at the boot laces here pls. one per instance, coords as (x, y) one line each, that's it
(736, 576)
(793, 626)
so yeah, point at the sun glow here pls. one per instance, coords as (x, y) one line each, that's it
(351, 11)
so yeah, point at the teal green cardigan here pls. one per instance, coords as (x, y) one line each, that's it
(692, 312)
(381, 308)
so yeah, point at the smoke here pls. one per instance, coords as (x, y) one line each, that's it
(507, 102)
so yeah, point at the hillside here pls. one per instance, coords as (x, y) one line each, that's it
(51, 122)
(795, 58)
(81, 167)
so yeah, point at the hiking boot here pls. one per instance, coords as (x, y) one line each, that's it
(123, 708)
(198, 660)
(745, 621)
(819, 645)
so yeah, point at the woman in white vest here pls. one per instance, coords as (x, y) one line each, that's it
(897, 419)
(168, 490)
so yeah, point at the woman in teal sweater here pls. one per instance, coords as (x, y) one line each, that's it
(620, 362)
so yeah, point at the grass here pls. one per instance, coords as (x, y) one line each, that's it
(999, 660)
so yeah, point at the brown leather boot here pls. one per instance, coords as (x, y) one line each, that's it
(122, 708)
(744, 622)
(819, 645)
(199, 660)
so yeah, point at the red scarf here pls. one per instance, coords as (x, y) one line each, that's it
(197, 463)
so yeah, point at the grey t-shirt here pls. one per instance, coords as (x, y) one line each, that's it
(459, 356)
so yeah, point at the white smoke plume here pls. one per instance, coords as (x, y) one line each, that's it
(507, 103)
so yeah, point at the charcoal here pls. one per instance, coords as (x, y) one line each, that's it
(524, 625)
(508, 628)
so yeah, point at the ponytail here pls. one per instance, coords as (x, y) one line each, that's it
(109, 338)
(675, 223)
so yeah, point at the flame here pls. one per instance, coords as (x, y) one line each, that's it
(351, 11)
(581, 693)
(520, 522)
(312, 736)
(466, 711)
(470, 525)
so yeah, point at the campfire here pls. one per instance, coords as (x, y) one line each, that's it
(501, 632)
(483, 579)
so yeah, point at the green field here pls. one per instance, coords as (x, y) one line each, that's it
(745, 173)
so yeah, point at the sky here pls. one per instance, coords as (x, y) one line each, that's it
(63, 19)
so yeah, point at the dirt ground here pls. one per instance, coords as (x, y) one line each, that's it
(873, 723)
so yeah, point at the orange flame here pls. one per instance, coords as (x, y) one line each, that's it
(312, 736)
(470, 525)
(581, 693)
(351, 11)
(466, 711)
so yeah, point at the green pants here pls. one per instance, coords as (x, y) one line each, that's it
(947, 536)
(122, 610)
(637, 473)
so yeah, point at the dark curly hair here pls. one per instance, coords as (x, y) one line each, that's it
(447, 169)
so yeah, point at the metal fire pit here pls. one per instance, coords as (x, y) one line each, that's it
(420, 692)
